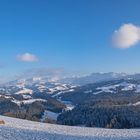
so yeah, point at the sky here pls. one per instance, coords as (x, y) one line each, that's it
(84, 36)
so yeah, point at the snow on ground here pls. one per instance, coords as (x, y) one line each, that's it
(69, 105)
(111, 88)
(26, 96)
(137, 103)
(17, 129)
(138, 88)
(41, 88)
(6, 97)
(128, 86)
(106, 88)
(88, 91)
(25, 91)
(30, 101)
(50, 115)
(62, 92)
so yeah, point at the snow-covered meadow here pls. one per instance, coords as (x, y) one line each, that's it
(17, 129)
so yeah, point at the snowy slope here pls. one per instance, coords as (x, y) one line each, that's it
(16, 129)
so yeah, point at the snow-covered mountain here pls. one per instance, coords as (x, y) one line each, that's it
(45, 100)
(93, 78)
(37, 94)
(27, 130)
(29, 87)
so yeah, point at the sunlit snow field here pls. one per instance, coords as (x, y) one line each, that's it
(17, 129)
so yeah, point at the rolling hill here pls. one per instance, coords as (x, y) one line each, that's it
(17, 129)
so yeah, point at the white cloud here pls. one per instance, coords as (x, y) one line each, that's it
(27, 57)
(126, 36)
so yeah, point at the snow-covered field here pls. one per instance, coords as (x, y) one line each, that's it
(17, 129)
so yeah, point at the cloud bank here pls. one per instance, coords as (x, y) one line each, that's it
(27, 57)
(126, 36)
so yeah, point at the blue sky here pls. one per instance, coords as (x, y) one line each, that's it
(75, 35)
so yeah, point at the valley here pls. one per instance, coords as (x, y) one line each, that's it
(38, 99)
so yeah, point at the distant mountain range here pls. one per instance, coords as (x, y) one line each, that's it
(94, 77)
(62, 100)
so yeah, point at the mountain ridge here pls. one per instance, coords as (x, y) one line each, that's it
(36, 98)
